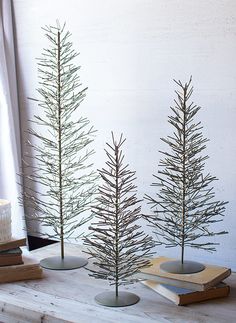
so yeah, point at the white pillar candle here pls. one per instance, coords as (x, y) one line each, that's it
(5, 221)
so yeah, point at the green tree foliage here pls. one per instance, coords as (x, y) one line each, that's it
(59, 181)
(184, 207)
(117, 242)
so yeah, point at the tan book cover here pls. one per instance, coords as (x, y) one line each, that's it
(11, 257)
(184, 296)
(27, 274)
(13, 243)
(29, 262)
(30, 269)
(209, 277)
(14, 260)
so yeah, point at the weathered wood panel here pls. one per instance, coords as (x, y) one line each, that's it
(68, 296)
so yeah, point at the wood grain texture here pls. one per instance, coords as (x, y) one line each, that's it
(68, 296)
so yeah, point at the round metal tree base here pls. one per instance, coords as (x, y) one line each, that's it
(68, 263)
(111, 300)
(176, 267)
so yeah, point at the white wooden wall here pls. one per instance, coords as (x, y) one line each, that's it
(130, 50)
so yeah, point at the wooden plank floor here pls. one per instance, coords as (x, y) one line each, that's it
(68, 296)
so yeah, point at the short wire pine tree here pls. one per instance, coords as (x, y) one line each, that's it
(184, 207)
(117, 243)
(58, 179)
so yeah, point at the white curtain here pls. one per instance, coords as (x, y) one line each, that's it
(10, 147)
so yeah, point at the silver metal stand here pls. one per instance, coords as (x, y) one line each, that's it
(110, 299)
(176, 267)
(67, 263)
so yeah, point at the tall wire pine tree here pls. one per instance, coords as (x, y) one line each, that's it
(59, 180)
(117, 243)
(184, 207)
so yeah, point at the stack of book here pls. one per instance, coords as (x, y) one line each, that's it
(183, 289)
(17, 264)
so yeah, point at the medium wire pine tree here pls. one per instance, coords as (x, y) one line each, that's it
(184, 207)
(117, 243)
(58, 180)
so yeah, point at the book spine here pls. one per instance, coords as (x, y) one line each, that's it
(12, 244)
(209, 294)
(18, 268)
(37, 274)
